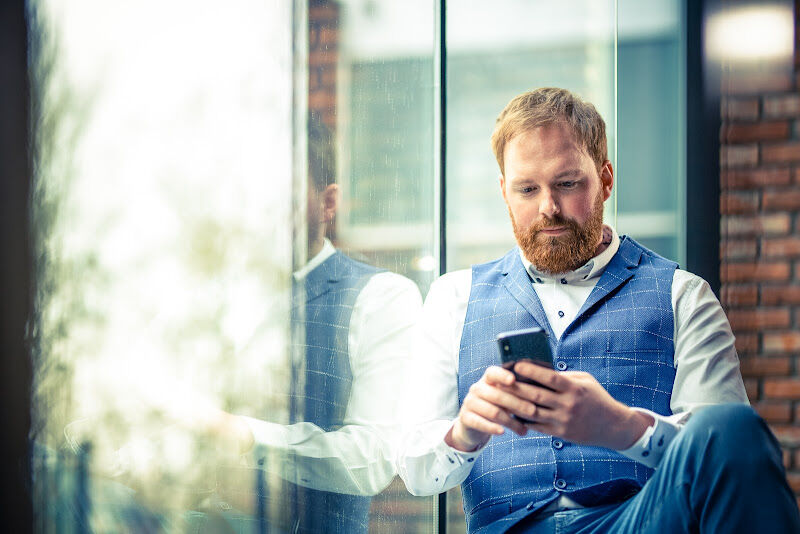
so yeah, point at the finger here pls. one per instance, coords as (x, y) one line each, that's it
(505, 397)
(547, 377)
(535, 394)
(495, 414)
(496, 375)
(473, 421)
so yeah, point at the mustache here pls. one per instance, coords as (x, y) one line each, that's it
(552, 222)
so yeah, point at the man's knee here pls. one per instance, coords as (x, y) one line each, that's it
(735, 431)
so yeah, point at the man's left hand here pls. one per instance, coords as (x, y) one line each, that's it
(577, 408)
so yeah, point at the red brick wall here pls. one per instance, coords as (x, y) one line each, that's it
(323, 54)
(760, 243)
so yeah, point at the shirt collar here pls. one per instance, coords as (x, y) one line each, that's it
(326, 252)
(591, 269)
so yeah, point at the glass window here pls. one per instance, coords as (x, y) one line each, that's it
(236, 214)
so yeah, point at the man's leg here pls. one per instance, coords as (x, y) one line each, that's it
(723, 473)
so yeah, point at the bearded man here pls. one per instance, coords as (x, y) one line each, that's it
(643, 425)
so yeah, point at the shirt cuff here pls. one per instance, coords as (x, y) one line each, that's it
(451, 464)
(650, 447)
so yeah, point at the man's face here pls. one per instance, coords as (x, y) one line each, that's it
(555, 196)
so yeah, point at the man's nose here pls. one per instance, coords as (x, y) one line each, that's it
(548, 204)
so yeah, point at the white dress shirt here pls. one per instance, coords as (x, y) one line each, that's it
(354, 459)
(706, 366)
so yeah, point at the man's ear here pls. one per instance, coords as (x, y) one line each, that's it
(503, 187)
(330, 202)
(607, 179)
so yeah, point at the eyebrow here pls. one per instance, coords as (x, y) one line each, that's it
(568, 173)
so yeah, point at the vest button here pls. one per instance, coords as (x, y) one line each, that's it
(561, 366)
(561, 484)
(557, 444)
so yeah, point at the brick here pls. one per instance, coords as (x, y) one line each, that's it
(746, 132)
(746, 343)
(763, 366)
(784, 294)
(781, 247)
(755, 272)
(738, 202)
(739, 295)
(751, 388)
(797, 175)
(320, 57)
(782, 200)
(776, 223)
(738, 248)
(782, 342)
(748, 179)
(742, 83)
(781, 152)
(327, 76)
(326, 12)
(738, 155)
(328, 36)
(782, 105)
(782, 388)
(740, 108)
(774, 411)
(759, 319)
(319, 100)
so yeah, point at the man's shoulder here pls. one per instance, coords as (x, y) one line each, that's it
(629, 247)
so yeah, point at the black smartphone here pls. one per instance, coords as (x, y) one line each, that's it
(530, 345)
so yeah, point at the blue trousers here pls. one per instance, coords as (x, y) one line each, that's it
(723, 473)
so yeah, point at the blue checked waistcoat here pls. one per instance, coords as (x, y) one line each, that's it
(622, 336)
(331, 291)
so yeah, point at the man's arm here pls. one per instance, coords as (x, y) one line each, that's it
(424, 461)
(356, 458)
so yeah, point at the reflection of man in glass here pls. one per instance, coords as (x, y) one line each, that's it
(356, 319)
(640, 347)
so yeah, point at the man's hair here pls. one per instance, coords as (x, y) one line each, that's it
(321, 153)
(551, 105)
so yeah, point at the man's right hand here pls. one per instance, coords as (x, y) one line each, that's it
(486, 410)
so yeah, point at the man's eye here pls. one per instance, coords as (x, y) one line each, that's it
(568, 184)
(526, 190)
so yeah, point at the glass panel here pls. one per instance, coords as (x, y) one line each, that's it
(232, 208)
(383, 100)
(651, 166)
(493, 54)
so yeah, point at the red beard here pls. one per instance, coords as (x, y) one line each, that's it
(565, 252)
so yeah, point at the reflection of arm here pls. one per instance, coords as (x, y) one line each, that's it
(424, 461)
(706, 364)
(355, 459)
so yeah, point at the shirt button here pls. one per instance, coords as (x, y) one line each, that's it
(561, 484)
(561, 366)
(539, 280)
(560, 313)
(470, 459)
(563, 280)
(557, 444)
